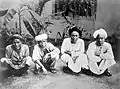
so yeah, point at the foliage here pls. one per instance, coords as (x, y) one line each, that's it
(39, 6)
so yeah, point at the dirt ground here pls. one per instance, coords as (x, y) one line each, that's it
(62, 80)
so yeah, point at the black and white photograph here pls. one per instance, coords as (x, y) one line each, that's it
(59, 44)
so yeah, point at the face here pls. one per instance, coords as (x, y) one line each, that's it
(100, 40)
(42, 43)
(74, 36)
(17, 43)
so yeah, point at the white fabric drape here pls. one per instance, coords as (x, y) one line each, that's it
(77, 50)
(106, 57)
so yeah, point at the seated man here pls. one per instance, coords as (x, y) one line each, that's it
(17, 55)
(72, 51)
(100, 54)
(44, 54)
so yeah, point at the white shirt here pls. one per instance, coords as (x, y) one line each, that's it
(39, 53)
(76, 49)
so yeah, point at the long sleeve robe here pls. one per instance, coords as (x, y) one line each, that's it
(77, 50)
(105, 60)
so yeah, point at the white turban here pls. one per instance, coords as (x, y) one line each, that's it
(41, 37)
(101, 31)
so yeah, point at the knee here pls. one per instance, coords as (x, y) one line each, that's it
(55, 57)
(29, 60)
(84, 56)
(64, 56)
(3, 60)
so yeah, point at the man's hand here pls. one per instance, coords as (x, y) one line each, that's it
(41, 65)
(3, 60)
(97, 53)
(44, 70)
(74, 58)
(13, 62)
(48, 55)
(22, 64)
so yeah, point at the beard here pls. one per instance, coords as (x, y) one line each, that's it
(74, 41)
(17, 48)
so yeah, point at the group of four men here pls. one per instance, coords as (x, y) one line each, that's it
(98, 58)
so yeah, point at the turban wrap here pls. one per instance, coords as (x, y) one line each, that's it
(101, 31)
(41, 37)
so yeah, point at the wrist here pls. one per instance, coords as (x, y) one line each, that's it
(101, 56)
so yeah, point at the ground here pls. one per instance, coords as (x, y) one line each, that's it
(62, 80)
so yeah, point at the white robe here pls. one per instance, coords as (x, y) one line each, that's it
(76, 50)
(106, 57)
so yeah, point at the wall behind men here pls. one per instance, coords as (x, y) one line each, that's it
(108, 15)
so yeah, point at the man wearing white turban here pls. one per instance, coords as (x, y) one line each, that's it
(100, 54)
(44, 54)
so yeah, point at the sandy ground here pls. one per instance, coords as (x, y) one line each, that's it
(62, 80)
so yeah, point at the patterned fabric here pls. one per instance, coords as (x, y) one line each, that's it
(16, 59)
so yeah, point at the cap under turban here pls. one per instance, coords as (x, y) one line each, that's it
(74, 28)
(101, 31)
(41, 37)
(16, 36)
